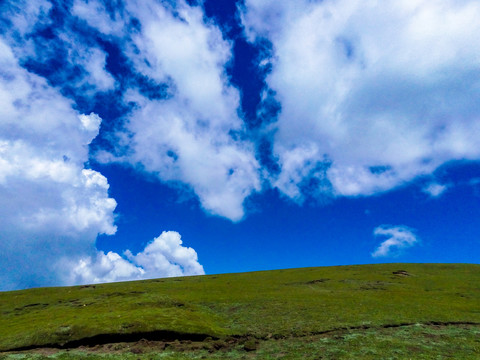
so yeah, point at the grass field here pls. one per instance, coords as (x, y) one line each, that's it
(387, 311)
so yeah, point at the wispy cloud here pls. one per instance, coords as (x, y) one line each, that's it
(435, 189)
(96, 15)
(398, 239)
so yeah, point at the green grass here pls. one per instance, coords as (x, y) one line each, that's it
(334, 311)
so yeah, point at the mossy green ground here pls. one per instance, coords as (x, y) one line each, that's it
(285, 313)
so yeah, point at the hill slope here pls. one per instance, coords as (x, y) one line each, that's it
(245, 308)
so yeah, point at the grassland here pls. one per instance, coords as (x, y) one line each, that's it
(388, 311)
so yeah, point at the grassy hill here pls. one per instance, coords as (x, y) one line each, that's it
(396, 311)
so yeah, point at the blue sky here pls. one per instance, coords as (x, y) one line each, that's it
(143, 139)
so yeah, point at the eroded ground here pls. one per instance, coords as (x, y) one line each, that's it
(460, 341)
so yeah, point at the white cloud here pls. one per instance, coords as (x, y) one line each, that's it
(435, 190)
(163, 257)
(194, 134)
(91, 122)
(96, 16)
(386, 91)
(168, 141)
(188, 136)
(24, 14)
(398, 239)
(28, 16)
(94, 62)
(295, 168)
(56, 207)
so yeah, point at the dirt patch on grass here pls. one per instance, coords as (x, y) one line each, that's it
(402, 273)
(29, 307)
(87, 287)
(317, 281)
(377, 285)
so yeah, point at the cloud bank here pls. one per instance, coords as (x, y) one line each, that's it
(378, 92)
(399, 238)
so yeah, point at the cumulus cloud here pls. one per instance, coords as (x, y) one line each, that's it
(398, 239)
(163, 257)
(221, 172)
(192, 132)
(386, 91)
(55, 206)
(184, 124)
